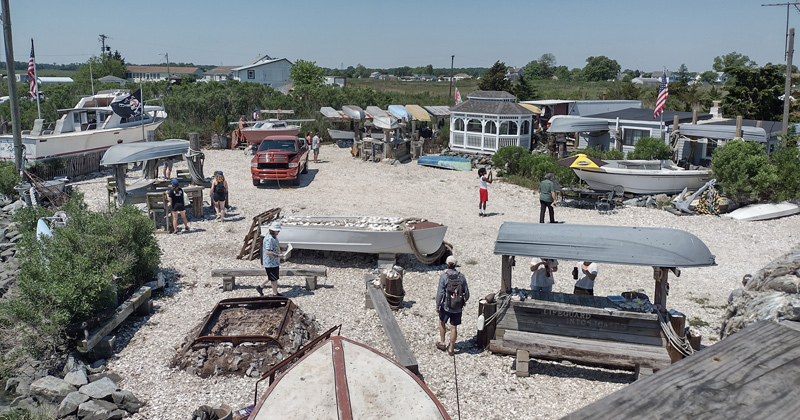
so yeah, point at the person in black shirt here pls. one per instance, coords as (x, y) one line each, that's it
(175, 197)
(219, 195)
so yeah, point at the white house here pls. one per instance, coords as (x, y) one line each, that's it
(266, 71)
(153, 73)
(218, 74)
(489, 120)
(335, 81)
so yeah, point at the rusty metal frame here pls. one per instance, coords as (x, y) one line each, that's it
(265, 301)
(294, 357)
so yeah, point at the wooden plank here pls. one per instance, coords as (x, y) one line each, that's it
(562, 330)
(612, 321)
(587, 350)
(749, 375)
(284, 271)
(402, 351)
(140, 296)
(586, 308)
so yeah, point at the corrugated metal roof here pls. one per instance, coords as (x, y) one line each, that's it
(657, 247)
(725, 132)
(419, 113)
(571, 124)
(438, 110)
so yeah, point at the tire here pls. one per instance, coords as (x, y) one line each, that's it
(256, 182)
(296, 181)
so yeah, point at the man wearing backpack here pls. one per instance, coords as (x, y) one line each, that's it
(451, 296)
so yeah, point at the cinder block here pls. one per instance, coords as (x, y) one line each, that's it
(523, 363)
(311, 283)
(228, 283)
(145, 308)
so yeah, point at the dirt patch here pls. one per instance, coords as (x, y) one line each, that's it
(239, 355)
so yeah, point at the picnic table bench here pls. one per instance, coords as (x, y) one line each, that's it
(229, 275)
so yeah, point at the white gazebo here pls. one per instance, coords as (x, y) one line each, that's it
(489, 120)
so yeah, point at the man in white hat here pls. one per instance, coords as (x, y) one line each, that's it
(451, 296)
(271, 259)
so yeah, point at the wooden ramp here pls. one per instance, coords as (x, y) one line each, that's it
(752, 374)
(251, 249)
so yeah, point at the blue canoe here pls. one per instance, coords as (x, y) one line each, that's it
(446, 162)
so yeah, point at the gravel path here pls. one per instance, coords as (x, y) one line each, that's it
(341, 185)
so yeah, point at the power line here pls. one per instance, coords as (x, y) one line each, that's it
(786, 41)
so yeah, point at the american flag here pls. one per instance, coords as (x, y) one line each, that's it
(458, 97)
(663, 92)
(32, 73)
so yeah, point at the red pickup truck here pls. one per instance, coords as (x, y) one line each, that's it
(280, 158)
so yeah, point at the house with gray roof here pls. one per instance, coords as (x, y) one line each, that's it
(273, 72)
(489, 120)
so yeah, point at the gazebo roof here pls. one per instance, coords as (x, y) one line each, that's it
(490, 94)
(490, 107)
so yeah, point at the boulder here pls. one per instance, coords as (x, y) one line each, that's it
(96, 410)
(100, 390)
(77, 376)
(51, 389)
(69, 405)
(114, 376)
(126, 401)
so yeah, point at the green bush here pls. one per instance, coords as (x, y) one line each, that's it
(650, 148)
(744, 171)
(508, 158)
(95, 261)
(9, 177)
(787, 163)
(597, 152)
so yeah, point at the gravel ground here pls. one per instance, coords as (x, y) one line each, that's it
(341, 185)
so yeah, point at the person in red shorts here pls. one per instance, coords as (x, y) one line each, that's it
(484, 180)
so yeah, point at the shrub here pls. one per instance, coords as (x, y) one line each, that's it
(787, 164)
(9, 177)
(650, 148)
(508, 158)
(96, 260)
(743, 170)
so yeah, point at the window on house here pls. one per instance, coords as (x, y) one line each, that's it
(251, 74)
(630, 136)
(474, 126)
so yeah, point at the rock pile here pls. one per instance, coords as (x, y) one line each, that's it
(9, 235)
(87, 392)
(772, 294)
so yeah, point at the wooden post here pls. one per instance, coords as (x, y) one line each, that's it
(228, 284)
(694, 116)
(194, 141)
(738, 126)
(661, 275)
(505, 282)
(487, 307)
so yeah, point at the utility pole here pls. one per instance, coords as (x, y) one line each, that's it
(786, 42)
(452, 58)
(103, 48)
(166, 55)
(787, 99)
(12, 86)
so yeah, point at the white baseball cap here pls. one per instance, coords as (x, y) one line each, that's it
(451, 260)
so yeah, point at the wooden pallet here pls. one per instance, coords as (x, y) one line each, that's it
(251, 249)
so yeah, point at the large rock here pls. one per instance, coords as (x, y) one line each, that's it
(96, 410)
(127, 401)
(51, 389)
(69, 405)
(100, 390)
(77, 376)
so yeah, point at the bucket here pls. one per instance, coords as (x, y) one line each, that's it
(393, 287)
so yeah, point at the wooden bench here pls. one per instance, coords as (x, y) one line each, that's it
(402, 351)
(229, 275)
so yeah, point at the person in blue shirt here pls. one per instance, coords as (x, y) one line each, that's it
(271, 259)
(447, 313)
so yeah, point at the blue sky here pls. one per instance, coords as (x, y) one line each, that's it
(645, 35)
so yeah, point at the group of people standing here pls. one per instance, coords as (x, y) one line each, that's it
(542, 279)
(546, 190)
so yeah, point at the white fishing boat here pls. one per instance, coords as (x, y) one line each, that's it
(259, 130)
(643, 177)
(91, 126)
(344, 379)
(764, 211)
(371, 235)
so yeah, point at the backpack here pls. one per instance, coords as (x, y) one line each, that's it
(454, 292)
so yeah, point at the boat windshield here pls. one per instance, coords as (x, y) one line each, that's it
(283, 145)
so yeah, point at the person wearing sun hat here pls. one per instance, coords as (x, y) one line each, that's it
(219, 195)
(271, 259)
(175, 197)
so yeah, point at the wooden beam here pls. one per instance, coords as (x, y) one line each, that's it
(661, 275)
(505, 279)
(123, 311)
(284, 271)
(402, 351)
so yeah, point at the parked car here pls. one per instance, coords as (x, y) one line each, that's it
(280, 158)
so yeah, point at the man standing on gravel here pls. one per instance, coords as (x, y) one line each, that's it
(315, 146)
(547, 197)
(271, 259)
(451, 296)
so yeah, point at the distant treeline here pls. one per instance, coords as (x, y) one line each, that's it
(361, 71)
(23, 66)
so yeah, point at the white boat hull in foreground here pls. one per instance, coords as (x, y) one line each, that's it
(643, 177)
(764, 211)
(359, 234)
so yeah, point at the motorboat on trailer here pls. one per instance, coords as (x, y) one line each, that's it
(643, 176)
(371, 235)
(91, 126)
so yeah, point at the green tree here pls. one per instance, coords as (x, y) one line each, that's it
(97, 67)
(306, 73)
(523, 90)
(709, 77)
(683, 73)
(495, 78)
(543, 68)
(600, 68)
(624, 90)
(563, 74)
(753, 93)
(734, 59)
(743, 170)
(650, 148)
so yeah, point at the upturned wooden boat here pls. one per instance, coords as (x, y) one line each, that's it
(371, 235)
(344, 379)
(764, 211)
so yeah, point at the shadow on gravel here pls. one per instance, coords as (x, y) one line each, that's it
(569, 370)
(305, 180)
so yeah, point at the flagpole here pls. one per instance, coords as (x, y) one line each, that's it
(36, 81)
(141, 104)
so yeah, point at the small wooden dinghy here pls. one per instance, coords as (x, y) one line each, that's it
(343, 379)
(446, 162)
(764, 211)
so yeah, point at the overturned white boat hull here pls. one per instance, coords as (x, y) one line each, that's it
(356, 234)
(645, 179)
(764, 211)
